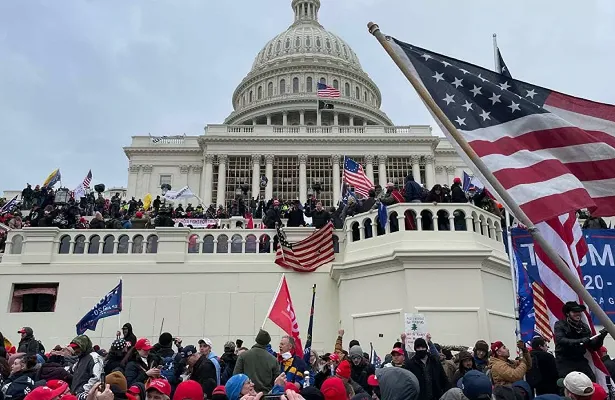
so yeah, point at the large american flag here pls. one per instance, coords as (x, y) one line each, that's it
(327, 91)
(87, 180)
(308, 254)
(552, 152)
(355, 177)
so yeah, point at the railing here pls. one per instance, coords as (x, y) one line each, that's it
(424, 217)
(325, 130)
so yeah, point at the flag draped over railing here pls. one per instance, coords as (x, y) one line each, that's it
(308, 340)
(310, 253)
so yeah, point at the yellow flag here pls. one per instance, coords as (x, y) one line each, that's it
(147, 201)
(7, 343)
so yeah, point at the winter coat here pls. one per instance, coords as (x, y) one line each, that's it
(439, 381)
(272, 217)
(294, 369)
(569, 354)
(28, 344)
(17, 386)
(360, 373)
(457, 194)
(227, 366)
(367, 204)
(610, 365)
(506, 372)
(449, 369)
(86, 372)
(413, 191)
(130, 336)
(260, 366)
(164, 350)
(398, 384)
(52, 370)
(136, 369)
(543, 372)
(319, 218)
(295, 218)
(204, 372)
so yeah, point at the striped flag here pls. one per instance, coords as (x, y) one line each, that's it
(9, 205)
(355, 177)
(541, 312)
(308, 254)
(327, 91)
(79, 191)
(87, 180)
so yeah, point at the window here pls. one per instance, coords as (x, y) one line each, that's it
(260, 92)
(250, 97)
(347, 89)
(270, 89)
(308, 84)
(323, 81)
(365, 97)
(357, 93)
(295, 85)
(336, 84)
(282, 86)
(165, 179)
(34, 297)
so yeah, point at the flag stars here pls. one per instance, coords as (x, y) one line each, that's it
(481, 78)
(463, 70)
(467, 106)
(426, 56)
(460, 121)
(531, 94)
(485, 115)
(446, 64)
(495, 98)
(438, 77)
(504, 86)
(514, 107)
(449, 99)
(457, 82)
(476, 90)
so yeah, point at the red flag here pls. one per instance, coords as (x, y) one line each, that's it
(282, 313)
(249, 221)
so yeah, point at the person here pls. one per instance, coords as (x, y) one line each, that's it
(258, 363)
(542, 376)
(158, 389)
(189, 390)
(429, 372)
(205, 347)
(164, 347)
(577, 386)
(473, 386)
(129, 336)
(87, 371)
(116, 354)
(481, 355)
(201, 369)
(21, 380)
(412, 190)
(228, 360)
(28, 344)
(607, 361)
(505, 371)
(140, 364)
(334, 389)
(360, 368)
(397, 384)
(573, 339)
(240, 385)
(291, 364)
(466, 364)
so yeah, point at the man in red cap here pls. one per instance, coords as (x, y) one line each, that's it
(343, 372)
(52, 391)
(28, 344)
(158, 389)
(457, 193)
(503, 370)
(329, 361)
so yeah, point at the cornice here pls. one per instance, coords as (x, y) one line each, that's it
(158, 150)
(333, 138)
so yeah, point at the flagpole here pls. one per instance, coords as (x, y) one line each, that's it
(571, 278)
(496, 59)
(275, 296)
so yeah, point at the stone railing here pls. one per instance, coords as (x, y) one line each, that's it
(425, 217)
(311, 129)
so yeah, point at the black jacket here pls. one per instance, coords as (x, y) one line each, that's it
(439, 381)
(28, 344)
(273, 216)
(570, 348)
(136, 370)
(360, 373)
(543, 374)
(610, 365)
(367, 204)
(227, 366)
(295, 218)
(457, 194)
(319, 218)
(204, 372)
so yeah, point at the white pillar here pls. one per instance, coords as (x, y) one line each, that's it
(430, 175)
(284, 118)
(450, 174)
(382, 171)
(318, 118)
(303, 186)
(302, 117)
(369, 167)
(416, 169)
(268, 119)
(269, 173)
(139, 184)
(221, 200)
(351, 121)
(336, 119)
(183, 171)
(147, 175)
(441, 177)
(207, 179)
(335, 160)
(256, 172)
(133, 175)
(194, 180)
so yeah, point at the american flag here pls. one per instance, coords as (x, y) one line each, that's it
(503, 67)
(552, 152)
(87, 180)
(373, 357)
(355, 177)
(79, 191)
(327, 91)
(541, 312)
(308, 254)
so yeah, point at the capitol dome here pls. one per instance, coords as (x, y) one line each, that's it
(281, 87)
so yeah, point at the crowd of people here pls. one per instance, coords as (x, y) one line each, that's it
(132, 368)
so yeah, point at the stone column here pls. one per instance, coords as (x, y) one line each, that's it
(430, 174)
(221, 159)
(285, 118)
(256, 172)
(303, 185)
(269, 174)
(450, 174)
(336, 119)
(207, 179)
(416, 169)
(269, 119)
(369, 167)
(382, 171)
(302, 117)
(133, 175)
(318, 118)
(184, 170)
(147, 175)
(351, 121)
(337, 185)
(254, 121)
(441, 177)
(194, 180)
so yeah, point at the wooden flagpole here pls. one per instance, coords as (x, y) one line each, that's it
(572, 279)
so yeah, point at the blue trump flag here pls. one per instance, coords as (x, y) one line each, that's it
(109, 305)
(382, 215)
(525, 301)
(308, 342)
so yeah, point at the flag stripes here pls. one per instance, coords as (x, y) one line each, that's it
(308, 254)
(541, 313)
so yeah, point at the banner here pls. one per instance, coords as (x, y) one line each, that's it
(282, 313)
(415, 327)
(183, 193)
(109, 305)
(197, 222)
(597, 267)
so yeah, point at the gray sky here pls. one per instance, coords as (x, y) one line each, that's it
(79, 78)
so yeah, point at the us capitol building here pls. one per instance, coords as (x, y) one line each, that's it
(276, 131)
(219, 283)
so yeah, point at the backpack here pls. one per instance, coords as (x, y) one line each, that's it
(168, 369)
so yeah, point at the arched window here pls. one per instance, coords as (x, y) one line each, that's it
(222, 246)
(152, 244)
(250, 97)
(64, 244)
(357, 93)
(108, 244)
(282, 86)
(208, 244)
(79, 245)
(308, 84)
(137, 244)
(260, 92)
(295, 85)
(94, 244)
(250, 244)
(323, 81)
(122, 245)
(365, 97)
(236, 243)
(336, 84)
(347, 89)
(270, 89)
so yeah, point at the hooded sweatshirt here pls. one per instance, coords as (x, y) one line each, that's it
(28, 344)
(397, 384)
(129, 336)
(86, 372)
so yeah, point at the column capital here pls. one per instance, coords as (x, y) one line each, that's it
(415, 159)
(209, 158)
(450, 169)
(147, 168)
(303, 158)
(429, 159)
(184, 169)
(382, 158)
(284, 112)
(439, 168)
(335, 158)
(222, 158)
(196, 167)
(269, 158)
(134, 168)
(369, 159)
(256, 158)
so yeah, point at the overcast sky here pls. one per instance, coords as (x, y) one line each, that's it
(79, 78)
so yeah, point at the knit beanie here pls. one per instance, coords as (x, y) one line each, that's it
(234, 385)
(355, 350)
(165, 339)
(118, 379)
(189, 390)
(333, 389)
(263, 338)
